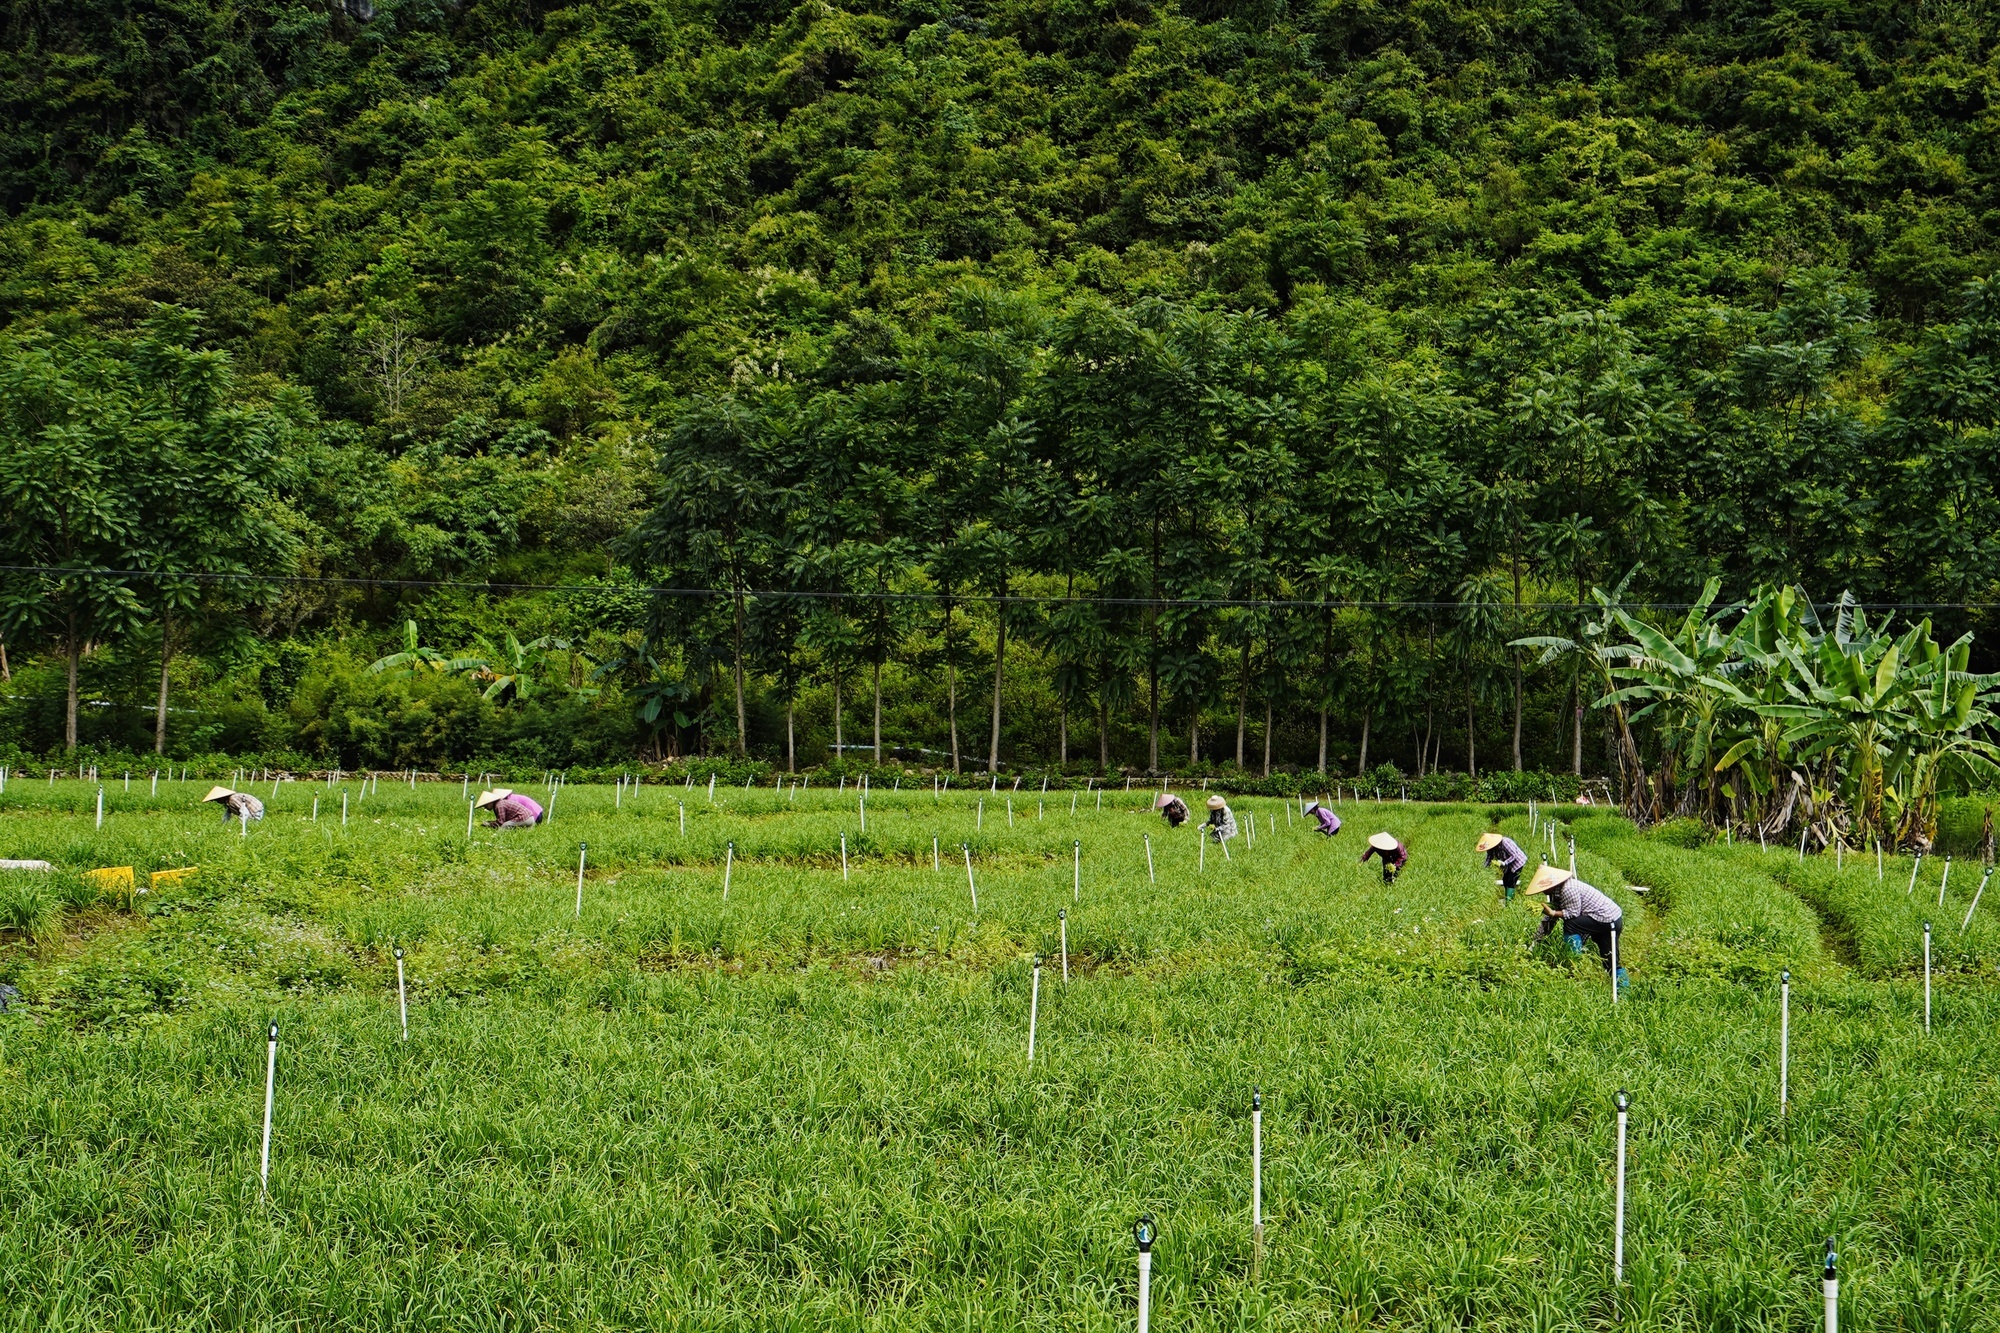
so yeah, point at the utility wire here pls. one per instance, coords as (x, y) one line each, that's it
(823, 594)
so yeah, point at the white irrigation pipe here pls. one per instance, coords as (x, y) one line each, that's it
(1802, 845)
(1201, 853)
(1062, 924)
(843, 856)
(155, 792)
(270, 1093)
(343, 809)
(1616, 931)
(1927, 976)
(684, 817)
(1944, 879)
(1784, 1040)
(1150, 877)
(402, 995)
(979, 816)
(1975, 899)
(1010, 812)
(1257, 1168)
(1034, 1006)
(1878, 860)
(1143, 1233)
(1915, 866)
(1572, 854)
(582, 855)
(935, 866)
(1072, 805)
(862, 807)
(246, 821)
(969, 884)
(1829, 1286)
(100, 807)
(1076, 870)
(711, 789)
(1618, 1237)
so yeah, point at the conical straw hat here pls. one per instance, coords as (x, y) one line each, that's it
(1164, 800)
(1216, 803)
(1487, 842)
(218, 794)
(1382, 842)
(493, 797)
(1549, 877)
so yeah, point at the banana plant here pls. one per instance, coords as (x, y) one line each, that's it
(513, 669)
(1593, 646)
(1674, 680)
(417, 657)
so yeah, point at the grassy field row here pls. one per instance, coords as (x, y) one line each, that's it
(798, 1150)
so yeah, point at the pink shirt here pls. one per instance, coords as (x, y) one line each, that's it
(516, 806)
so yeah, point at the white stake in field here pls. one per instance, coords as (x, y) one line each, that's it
(969, 883)
(270, 1093)
(728, 866)
(1618, 1236)
(402, 995)
(1784, 1040)
(1143, 1232)
(1034, 1006)
(582, 855)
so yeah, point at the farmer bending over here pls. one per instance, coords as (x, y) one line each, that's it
(1393, 853)
(1584, 912)
(1173, 808)
(1329, 822)
(510, 809)
(1221, 820)
(235, 804)
(1499, 847)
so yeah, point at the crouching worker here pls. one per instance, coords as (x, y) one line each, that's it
(509, 809)
(236, 805)
(1393, 853)
(1173, 809)
(1583, 912)
(1329, 822)
(1221, 820)
(1499, 847)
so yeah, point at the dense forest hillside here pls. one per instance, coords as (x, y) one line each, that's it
(1029, 380)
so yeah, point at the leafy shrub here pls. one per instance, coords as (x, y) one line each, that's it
(1689, 833)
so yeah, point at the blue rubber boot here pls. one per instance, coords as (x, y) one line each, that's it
(1624, 982)
(1575, 943)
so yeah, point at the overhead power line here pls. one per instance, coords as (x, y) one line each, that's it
(853, 595)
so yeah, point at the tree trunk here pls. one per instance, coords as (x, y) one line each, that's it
(1322, 739)
(951, 709)
(837, 711)
(742, 718)
(1153, 720)
(1367, 715)
(878, 712)
(1267, 738)
(1471, 753)
(1062, 736)
(1517, 714)
(73, 652)
(1194, 734)
(1424, 746)
(1576, 731)
(999, 662)
(790, 754)
(166, 657)
(5, 672)
(1103, 734)
(1242, 701)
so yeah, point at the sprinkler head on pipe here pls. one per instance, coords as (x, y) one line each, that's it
(1143, 1232)
(1785, 975)
(399, 953)
(274, 1029)
(1829, 1259)
(1623, 1102)
(1256, 1099)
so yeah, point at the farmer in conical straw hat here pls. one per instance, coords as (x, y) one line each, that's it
(510, 809)
(1329, 822)
(1221, 820)
(235, 804)
(1393, 853)
(1584, 912)
(1172, 808)
(1499, 847)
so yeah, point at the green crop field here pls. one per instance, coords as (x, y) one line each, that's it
(808, 1104)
